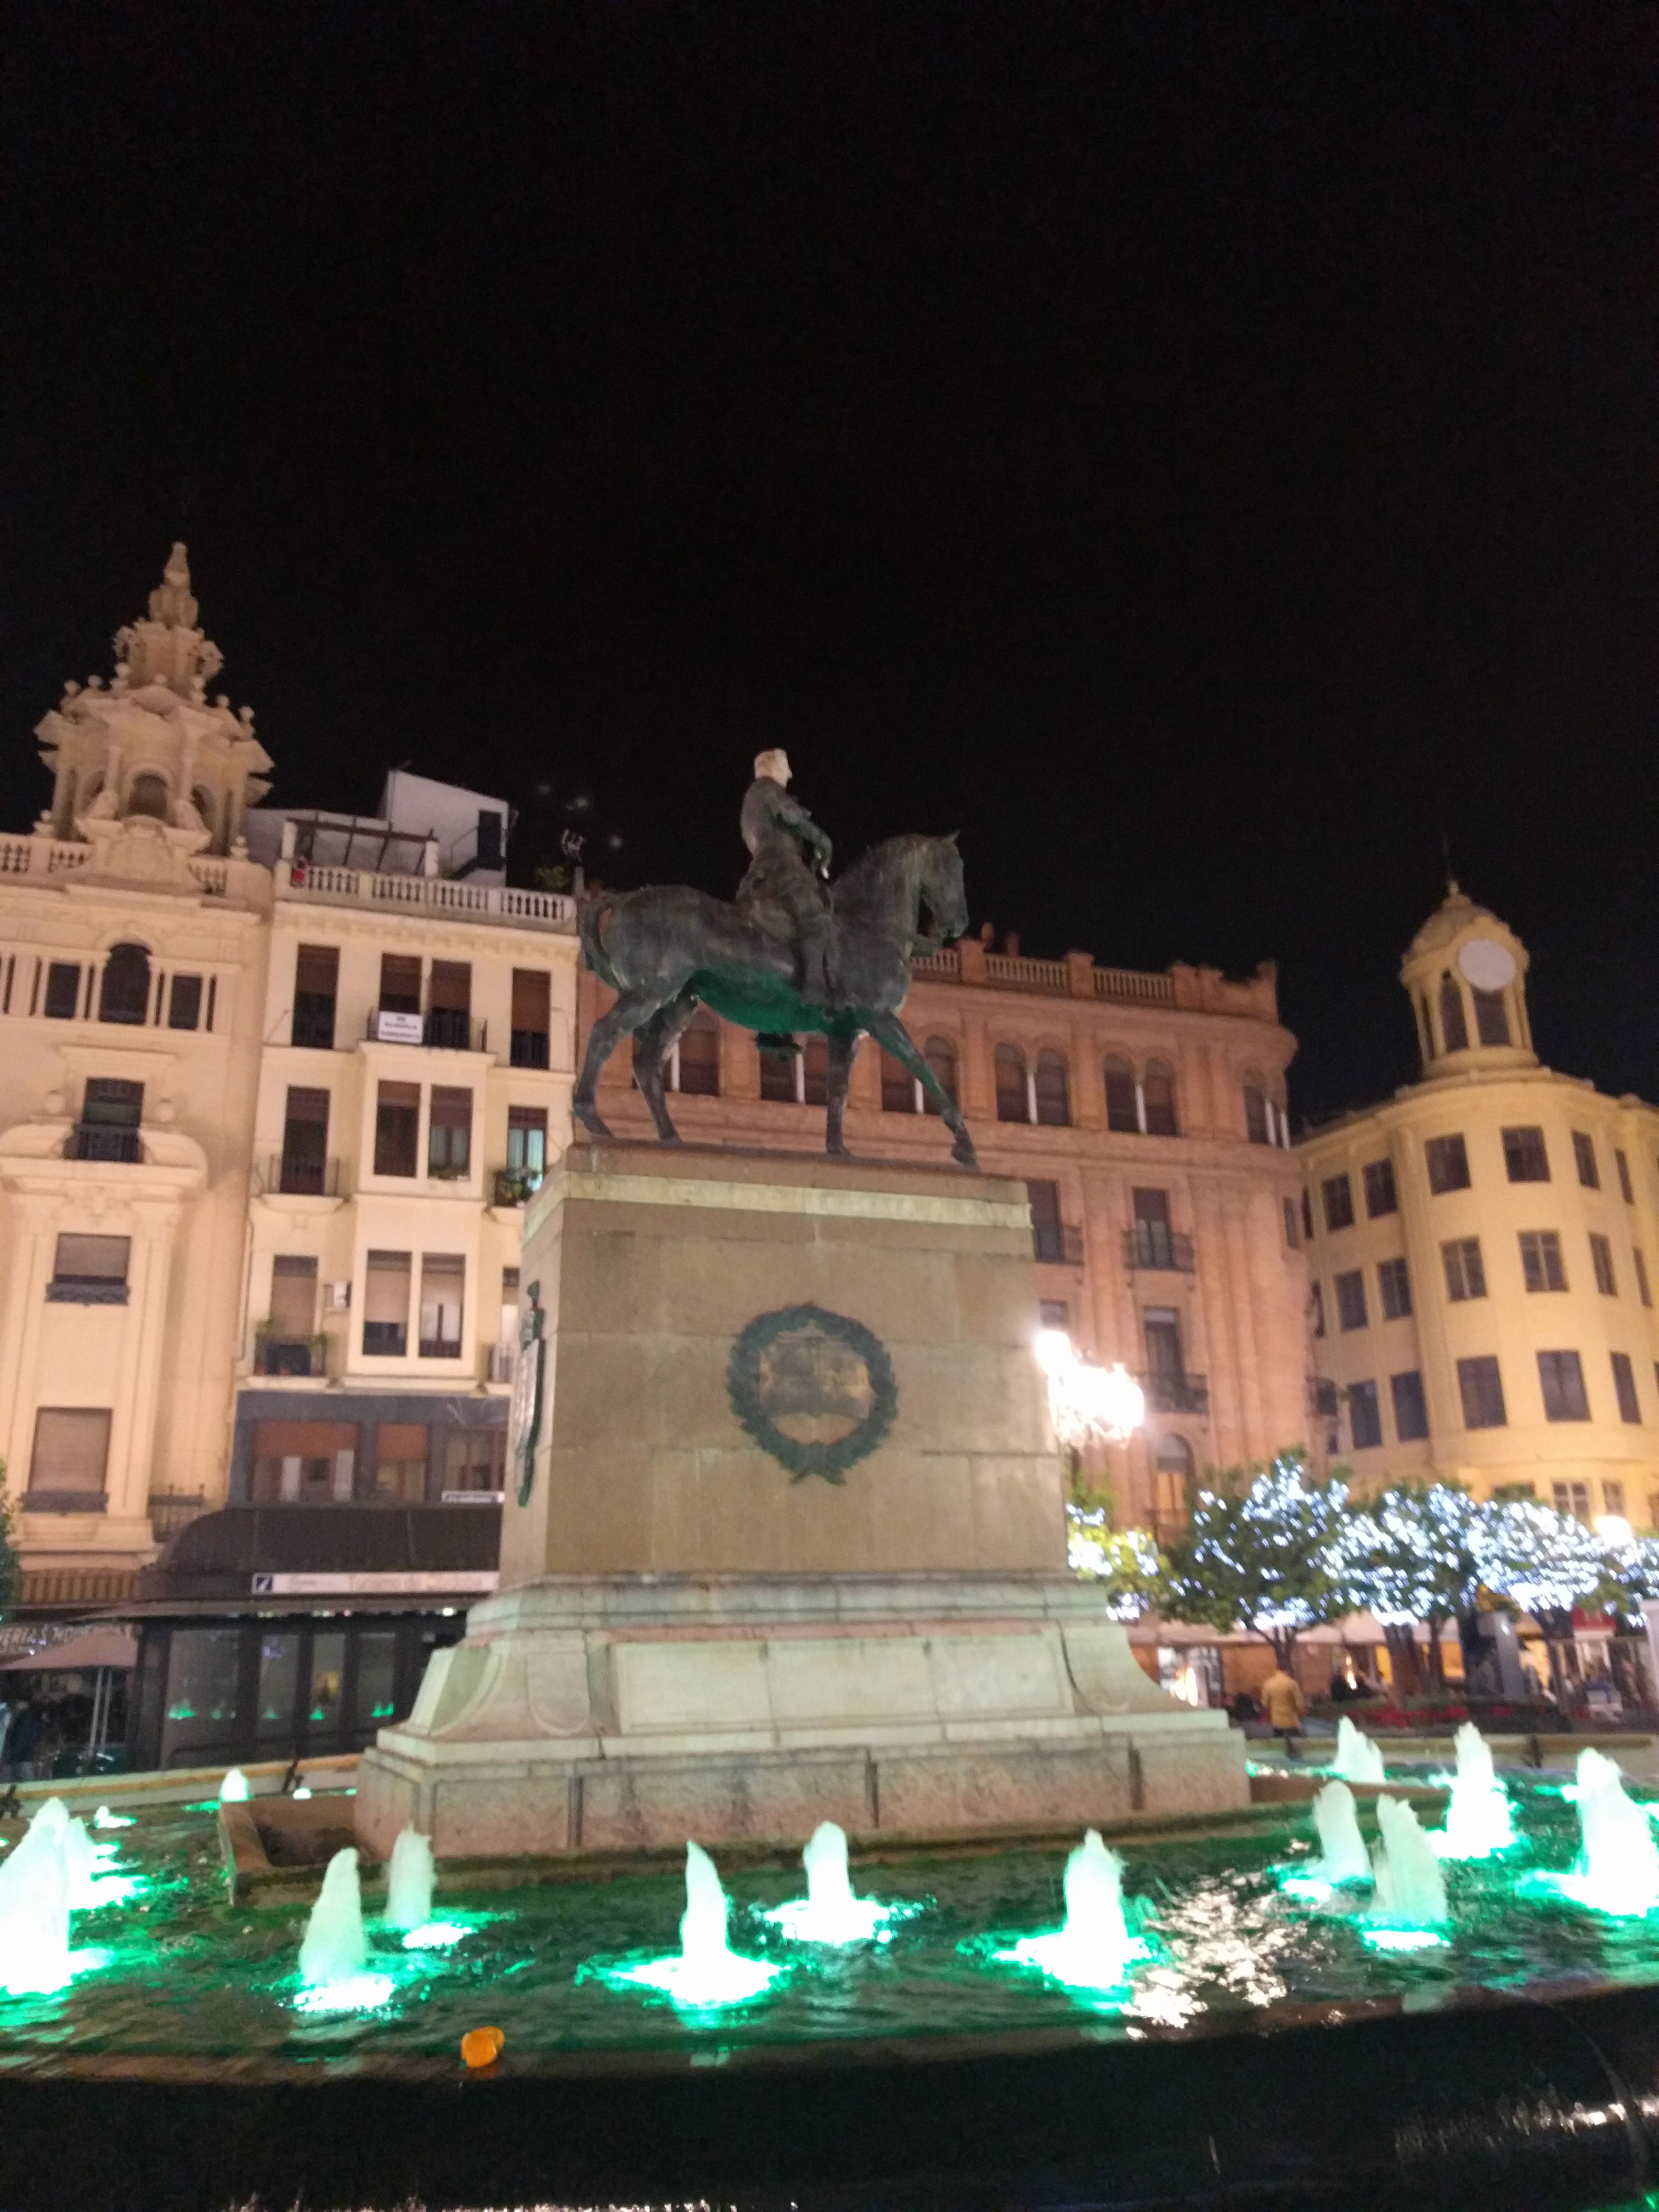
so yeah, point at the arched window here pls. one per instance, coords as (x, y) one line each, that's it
(1121, 1097)
(202, 800)
(148, 795)
(698, 1054)
(1257, 1128)
(777, 1075)
(941, 1056)
(1053, 1090)
(898, 1087)
(1012, 1103)
(1454, 1029)
(1492, 1018)
(1172, 1472)
(124, 994)
(1160, 1093)
(1425, 1027)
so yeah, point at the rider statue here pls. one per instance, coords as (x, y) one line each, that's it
(780, 834)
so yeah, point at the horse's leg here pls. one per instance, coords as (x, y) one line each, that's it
(890, 1032)
(841, 1050)
(632, 1011)
(651, 1046)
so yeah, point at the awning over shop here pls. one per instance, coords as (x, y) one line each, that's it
(84, 1653)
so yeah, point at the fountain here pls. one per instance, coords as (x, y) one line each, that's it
(1619, 1870)
(1410, 1906)
(409, 1882)
(1094, 1948)
(706, 1972)
(1359, 1757)
(1478, 1819)
(334, 1951)
(1342, 1854)
(34, 1911)
(234, 1790)
(829, 1913)
(103, 1818)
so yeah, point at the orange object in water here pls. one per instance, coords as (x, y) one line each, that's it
(482, 2046)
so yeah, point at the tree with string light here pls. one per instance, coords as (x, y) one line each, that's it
(1413, 1553)
(1546, 1562)
(1262, 1550)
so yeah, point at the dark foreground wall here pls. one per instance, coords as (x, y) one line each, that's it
(1518, 2108)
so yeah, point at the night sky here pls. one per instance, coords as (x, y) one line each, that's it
(1206, 456)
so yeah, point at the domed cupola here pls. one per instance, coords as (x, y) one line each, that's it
(1466, 973)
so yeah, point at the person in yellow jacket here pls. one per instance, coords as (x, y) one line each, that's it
(1282, 1696)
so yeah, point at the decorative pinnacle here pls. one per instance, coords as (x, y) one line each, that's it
(171, 603)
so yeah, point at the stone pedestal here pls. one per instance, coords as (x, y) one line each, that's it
(784, 1538)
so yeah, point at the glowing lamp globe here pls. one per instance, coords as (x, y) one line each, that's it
(1087, 1402)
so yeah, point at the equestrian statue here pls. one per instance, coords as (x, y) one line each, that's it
(794, 953)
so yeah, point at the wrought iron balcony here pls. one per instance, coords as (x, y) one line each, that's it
(1177, 1394)
(86, 1291)
(529, 1049)
(446, 1029)
(1322, 1398)
(287, 1355)
(170, 1510)
(515, 1186)
(95, 1140)
(1150, 1245)
(1057, 1243)
(289, 1174)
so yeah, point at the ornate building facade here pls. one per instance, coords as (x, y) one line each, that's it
(1483, 1246)
(273, 1088)
(1145, 1115)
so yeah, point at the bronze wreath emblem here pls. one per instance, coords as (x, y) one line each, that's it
(814, 1389)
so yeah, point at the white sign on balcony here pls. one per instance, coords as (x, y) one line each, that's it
(398, 1028)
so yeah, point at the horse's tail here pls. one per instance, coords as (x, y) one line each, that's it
(591, 918)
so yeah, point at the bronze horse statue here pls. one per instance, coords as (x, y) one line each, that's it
(666, 950)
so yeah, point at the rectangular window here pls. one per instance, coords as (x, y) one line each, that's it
(1380, 1196)
(293, 1298)
(400, 983)
(396, 1128)
(1525, 1159)
(699, 1056)
(304, 1462)
(304, 1169)
(475, 1463)
(385, 1305)
(1054, 1313)
(1164, 1357)
(90, 1271)
(1292, 1226)
(1612, 1496)
(62, 991)
(377, 1677)
(200, 1703)
(1624, 1389)
(1448, 1162)
(1317, 1296)
(449, 1134)
(1307, 1217)
(323, 1694)
(1256, 1115)
(443, 1279)
(1154, 1245)
(184, 1003)
(1571, 1498)
(526, 1145)
(316, 987)
(400, 1456)
(1047, 1231)
(1411, 1407)
(1466, 1278)
(279, 1683)
(71, 1453)
(1481, 1388)
(1601, 1261)
(1365, 1416)
(1351, 1299)
(777, 1077)
(1541, 1261)
(449, 1009)
(1583, 1154)
(1641, 1268)
(1491, 1021)
(112, 1110)
(1394, 1282)
(1563, 1379)
(1626, 1190)
(1337, 1196)
(531, 1016)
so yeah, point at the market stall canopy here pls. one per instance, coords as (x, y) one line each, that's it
(77, 1655)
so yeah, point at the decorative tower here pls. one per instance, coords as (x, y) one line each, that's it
(1466, 975)
(144, 768)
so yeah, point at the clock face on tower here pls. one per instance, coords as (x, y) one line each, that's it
(1485, 963)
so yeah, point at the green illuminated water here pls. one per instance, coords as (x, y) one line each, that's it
(188, 1975)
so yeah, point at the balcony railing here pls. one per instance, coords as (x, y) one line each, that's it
(92, 1141)
(86, 1291)
(286, 1174)
(1177, 1394)
(170, 1510)
(1322, 1398)
(452, 896)
(504, 1361)
(516, 1186)
(529, 1049)
(1150, 1245)
(1057, 1243)
(444, 1028)
(289, 1355)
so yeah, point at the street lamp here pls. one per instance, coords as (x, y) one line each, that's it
(1087, 1404)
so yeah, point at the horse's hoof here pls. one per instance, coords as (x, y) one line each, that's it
(963, 1154)
(590, 1120)
(836, 1152)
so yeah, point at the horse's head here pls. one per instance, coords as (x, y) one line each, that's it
(942, 888)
